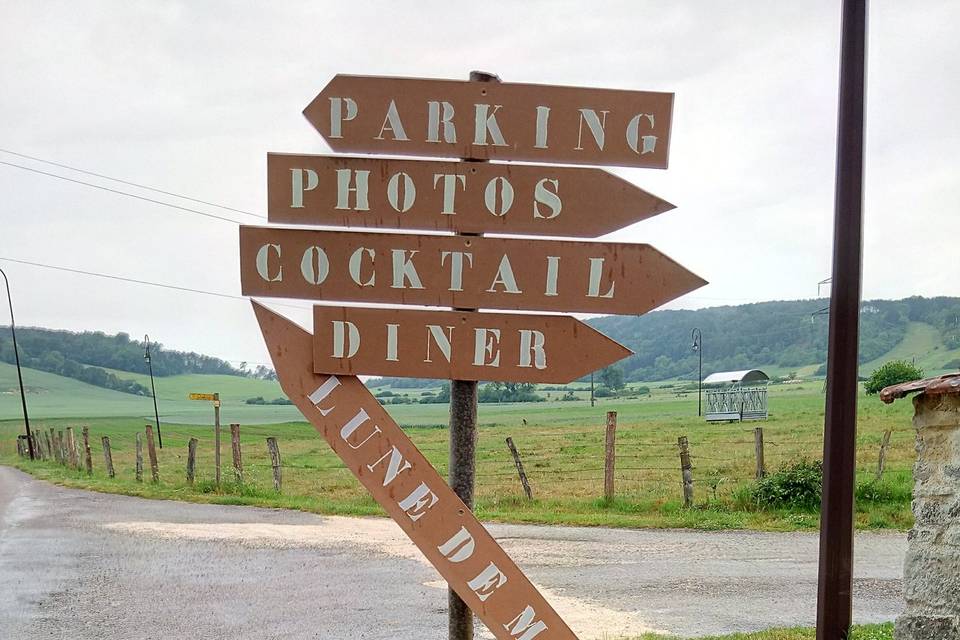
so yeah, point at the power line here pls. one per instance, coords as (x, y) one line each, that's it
(122, 193)
(127, 182)
(136, 281)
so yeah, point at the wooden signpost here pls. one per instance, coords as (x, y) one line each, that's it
(478, 120)
(457, 271)
(458, 345)
(215, 399)
(350, 191)
(494, 121)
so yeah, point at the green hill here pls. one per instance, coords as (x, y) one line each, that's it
(782, 336)
(53, 396)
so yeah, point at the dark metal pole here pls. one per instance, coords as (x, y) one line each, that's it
(463, 459)
(16, 356)
(697, 337)
(591, 389)
(153, 389)
(835, 587)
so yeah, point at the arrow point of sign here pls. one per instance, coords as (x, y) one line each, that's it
(286, 342)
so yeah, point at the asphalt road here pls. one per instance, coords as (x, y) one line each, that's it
(82, 565)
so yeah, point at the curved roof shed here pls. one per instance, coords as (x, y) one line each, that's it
(746, 376)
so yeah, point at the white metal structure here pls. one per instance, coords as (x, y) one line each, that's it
(732, 400)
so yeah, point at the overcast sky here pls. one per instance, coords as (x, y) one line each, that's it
(190, 96)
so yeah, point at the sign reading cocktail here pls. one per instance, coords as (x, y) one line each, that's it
(467, 120)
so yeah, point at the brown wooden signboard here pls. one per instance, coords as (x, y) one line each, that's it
(494, 121)
(407, 486)
(458, 345)
(347, 191)
(458, 271)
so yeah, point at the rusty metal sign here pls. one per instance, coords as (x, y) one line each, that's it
(459, 271)
(347, 191)
(458, 345)
(494, 121)
(409, 489)
(203, 396)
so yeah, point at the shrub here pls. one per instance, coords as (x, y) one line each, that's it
(799, 485)
(257, 400)
(893, 372)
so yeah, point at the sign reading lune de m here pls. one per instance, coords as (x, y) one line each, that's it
(466, 120)
(494, 121)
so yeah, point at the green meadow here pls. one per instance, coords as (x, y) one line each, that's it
(560, 442)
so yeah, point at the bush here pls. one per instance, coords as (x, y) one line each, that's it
(257, 400)
(879, 491)
(799, 485)
(603, 392)
(893, 372)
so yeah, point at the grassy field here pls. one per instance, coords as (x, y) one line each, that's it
(864, 632)
(562, 447)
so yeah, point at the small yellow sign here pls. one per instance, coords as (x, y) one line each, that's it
(203, 396)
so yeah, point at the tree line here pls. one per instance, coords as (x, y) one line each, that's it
(86, 356)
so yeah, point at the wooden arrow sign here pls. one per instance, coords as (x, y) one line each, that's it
(410, 490)
(347, 191)
(459, 271)
(494, 121)
(458, 345)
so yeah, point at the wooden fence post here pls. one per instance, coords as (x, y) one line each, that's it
(107, 456)
(87, 458)
(686, 471)
(191, 460)
(37, 449)
(237, 459)
(275, 462)
(758, 447)
(54, 449)
(520, 471)
(20, 446)
(61, 446)
(882, 460)
(50, 452)
(610, 455)
(139, 467)
(152, 452)
(72, 448)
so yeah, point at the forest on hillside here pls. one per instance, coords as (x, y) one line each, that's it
(85, 355)
(783, 333)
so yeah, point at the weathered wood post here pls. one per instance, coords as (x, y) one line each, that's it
(51, 436)
(216, 435)
(152, 452)
(610, 455)
(61, 445)
(20, 445)
(87, 458)
(686, 471)
(139, 467)
(235, 446)
(191, 460)
(47, 435)
(37, 449)
(72, 448)
(274, 450)
(758, 450)
(882, 458)
(520, 472)
(107, 456)
(931, 572)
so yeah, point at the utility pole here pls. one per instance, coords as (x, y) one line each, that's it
(697, 346)
(835, 582)
(16, 356)
(153, 389)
